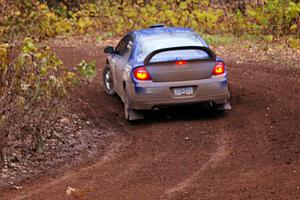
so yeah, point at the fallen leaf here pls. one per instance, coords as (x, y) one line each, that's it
(70, 190)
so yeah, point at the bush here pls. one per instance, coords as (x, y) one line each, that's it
(33, 89)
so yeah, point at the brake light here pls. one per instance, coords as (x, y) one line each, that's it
(219, 68)
(181, 62)
(141, 73)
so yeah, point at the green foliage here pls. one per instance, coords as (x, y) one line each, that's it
(275, 17)
(42, 74)
(87, 70)
(3, 55)
(217, 39)
(268, 38)
(207, 20)
(39, 21)
(294, 43)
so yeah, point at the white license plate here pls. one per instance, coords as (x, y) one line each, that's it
(183, 91)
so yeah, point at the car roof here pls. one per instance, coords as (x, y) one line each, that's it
(160, 30)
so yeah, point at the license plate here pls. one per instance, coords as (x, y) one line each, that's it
(183, 91)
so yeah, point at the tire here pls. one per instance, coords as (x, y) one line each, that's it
(107, 81)
(126, 104)
(130, 114)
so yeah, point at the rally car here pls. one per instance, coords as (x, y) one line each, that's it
(164, 66)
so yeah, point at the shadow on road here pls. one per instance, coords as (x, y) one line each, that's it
(182, 113)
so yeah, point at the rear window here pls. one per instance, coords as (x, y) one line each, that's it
(150, 43)
(180, 55)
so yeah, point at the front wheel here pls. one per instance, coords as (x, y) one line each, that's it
(107, 81)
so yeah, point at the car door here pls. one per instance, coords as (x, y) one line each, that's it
(122, 62)
(115, 63)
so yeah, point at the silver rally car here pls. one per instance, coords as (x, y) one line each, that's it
(164, 66)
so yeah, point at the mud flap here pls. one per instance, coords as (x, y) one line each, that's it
(135, 115)
(225, 106)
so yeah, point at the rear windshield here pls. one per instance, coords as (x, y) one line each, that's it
(151, 43)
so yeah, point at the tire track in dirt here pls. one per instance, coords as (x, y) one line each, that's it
(221, 153)
(137, 164)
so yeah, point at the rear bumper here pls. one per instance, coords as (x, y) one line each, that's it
(148, 95)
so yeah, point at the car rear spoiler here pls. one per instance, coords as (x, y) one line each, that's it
(210, 53)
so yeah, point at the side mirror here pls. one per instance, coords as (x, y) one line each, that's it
(109, 50)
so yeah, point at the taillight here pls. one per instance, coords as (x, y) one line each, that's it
(181, 62)
(219, 68)
(141, 73)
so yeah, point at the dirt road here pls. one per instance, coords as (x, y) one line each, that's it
(252, 152)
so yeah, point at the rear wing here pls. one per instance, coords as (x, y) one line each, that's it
(210, 53)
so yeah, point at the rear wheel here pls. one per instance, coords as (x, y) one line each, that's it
(130, 114)
(126, 105)
(107, 81)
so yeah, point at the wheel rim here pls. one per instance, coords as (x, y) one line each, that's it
(107, 80)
